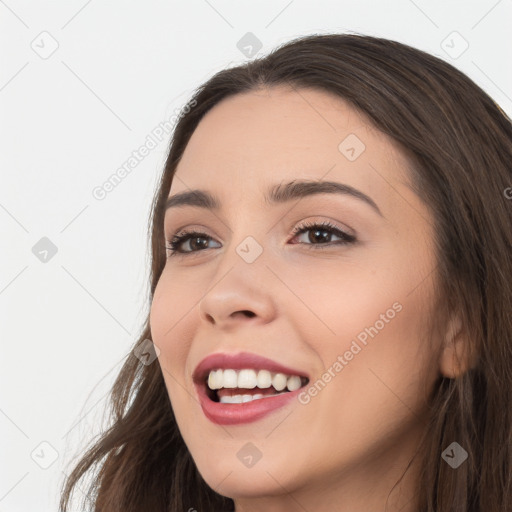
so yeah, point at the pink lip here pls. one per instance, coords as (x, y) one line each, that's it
(231, 414)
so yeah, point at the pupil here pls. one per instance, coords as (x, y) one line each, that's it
(316, 234)
(194, 242)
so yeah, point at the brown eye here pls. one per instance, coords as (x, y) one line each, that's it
(321, 233)
(197, 242)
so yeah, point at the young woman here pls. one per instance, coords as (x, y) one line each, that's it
(330, 297)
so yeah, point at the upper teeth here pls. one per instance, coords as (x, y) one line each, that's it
(250, 379)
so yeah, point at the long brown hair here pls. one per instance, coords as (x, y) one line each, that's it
(459, 145)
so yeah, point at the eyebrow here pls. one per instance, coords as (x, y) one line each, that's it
(277, 194)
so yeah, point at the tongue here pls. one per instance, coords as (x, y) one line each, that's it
(242, 391)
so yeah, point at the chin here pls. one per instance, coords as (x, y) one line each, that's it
(234, 480)
(250, 485)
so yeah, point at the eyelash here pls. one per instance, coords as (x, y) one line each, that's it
(183, 236)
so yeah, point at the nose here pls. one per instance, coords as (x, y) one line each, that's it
(238, 296)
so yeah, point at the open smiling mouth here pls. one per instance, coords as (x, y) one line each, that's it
(244, 387)
(229, 386)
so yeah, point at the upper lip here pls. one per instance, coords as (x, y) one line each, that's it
(240, 361)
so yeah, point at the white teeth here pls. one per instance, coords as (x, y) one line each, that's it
(229, 379)
(264, 379)
(279, 381)
(239, 399)
(250, 379)
(215, 379)
(293, 383)
(219, 378)
(247, 379)
(235, 399)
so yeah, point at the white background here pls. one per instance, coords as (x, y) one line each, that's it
(71, 119)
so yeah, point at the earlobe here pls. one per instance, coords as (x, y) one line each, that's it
(456, 350)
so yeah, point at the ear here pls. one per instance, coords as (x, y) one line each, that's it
(456, 357)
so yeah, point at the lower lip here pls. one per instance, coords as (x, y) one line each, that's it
(234, 414)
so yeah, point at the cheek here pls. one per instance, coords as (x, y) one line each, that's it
(160, 320)
(376, 358)
(380, 384)
(168, 334)
(170, 319)
(172, 308)
(344, 301)
(369, 403)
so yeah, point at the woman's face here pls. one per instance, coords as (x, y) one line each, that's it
(345, 305)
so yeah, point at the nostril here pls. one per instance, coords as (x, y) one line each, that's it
(245, 312)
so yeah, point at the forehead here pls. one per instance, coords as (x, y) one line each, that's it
(254, 139)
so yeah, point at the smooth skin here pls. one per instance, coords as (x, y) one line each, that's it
(346, 448)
